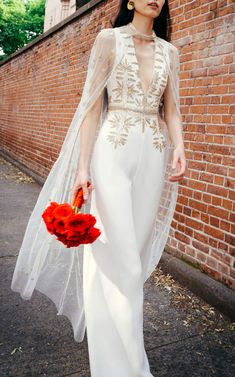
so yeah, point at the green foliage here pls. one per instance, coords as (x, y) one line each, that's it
(20, 22)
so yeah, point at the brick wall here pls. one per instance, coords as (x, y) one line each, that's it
(41, 87)
(203, 226)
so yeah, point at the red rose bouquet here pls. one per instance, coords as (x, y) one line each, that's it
(68, 225)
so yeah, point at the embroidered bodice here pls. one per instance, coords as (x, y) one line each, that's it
(128, 103)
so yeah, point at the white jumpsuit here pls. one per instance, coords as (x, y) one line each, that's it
(127, 172)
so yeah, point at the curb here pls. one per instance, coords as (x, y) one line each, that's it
(22, 167)
(211, 291)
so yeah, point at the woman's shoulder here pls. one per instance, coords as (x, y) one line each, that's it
(110, 32)
(105, 38)
(172, 48)
(173, 51)
(106, 34)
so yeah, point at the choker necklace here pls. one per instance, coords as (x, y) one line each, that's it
(141, 35)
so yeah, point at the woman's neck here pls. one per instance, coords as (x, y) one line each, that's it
(142, 24)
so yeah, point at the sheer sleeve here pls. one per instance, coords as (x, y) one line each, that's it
(99, 66)
(88, 113)
(100, 62)
(171, 94)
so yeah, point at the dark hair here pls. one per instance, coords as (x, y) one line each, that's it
(161, 24)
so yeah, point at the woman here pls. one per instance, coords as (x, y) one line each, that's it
(127, 173)
(131, 90)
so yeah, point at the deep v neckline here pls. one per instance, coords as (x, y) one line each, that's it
(145, 92)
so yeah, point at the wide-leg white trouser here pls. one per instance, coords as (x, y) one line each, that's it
(127, 184)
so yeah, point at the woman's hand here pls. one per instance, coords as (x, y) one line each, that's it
(81, 181)
(179, 161)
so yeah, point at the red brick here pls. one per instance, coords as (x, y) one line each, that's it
(222, 268)
(210, 271)
(203, 238)
(199, 246)
(215, 233)
(230, 239)
(224, 225)
(201, 257)
(232, 251)
(182, 237)
(212, 262)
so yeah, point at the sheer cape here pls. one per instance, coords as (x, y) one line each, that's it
(43, 262)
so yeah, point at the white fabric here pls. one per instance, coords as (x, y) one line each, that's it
(46, 264)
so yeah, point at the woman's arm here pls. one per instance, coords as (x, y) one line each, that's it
(87, 137)
(173, 117)
(99, 66)
(87, 134)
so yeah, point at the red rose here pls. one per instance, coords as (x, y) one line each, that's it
(91, 235)
(59, 226)
(62, 211)
(62, 238)
(48, 216)
(48, 213)
(79, 223)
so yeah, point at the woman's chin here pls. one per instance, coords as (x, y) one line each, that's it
(152, 13)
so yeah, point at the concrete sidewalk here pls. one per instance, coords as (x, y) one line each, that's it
(184, 336)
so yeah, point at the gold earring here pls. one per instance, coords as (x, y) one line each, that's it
(130, 5)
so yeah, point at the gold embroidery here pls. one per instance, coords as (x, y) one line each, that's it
(125, 66)
(120, 125)
(117, 139)
(126, 89)
(159, 141)
(131, 91)
(118, 90)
